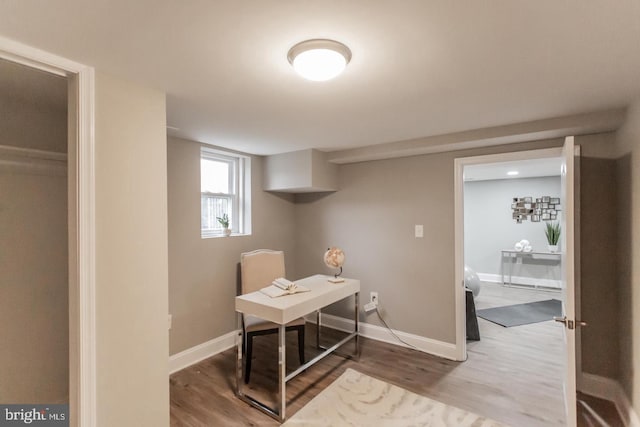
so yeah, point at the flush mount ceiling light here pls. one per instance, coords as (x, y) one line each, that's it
(512, 173)
(319, 59)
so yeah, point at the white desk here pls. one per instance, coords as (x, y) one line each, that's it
(284, 309)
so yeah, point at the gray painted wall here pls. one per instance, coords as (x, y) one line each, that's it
(489, 226)
(34, 355)
(33, 122)
(203, 272)
(598, 200)
(628, 254)
(372, 218)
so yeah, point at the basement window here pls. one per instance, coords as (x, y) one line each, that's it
(225, 189)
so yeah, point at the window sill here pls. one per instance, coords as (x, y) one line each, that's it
(216, 236)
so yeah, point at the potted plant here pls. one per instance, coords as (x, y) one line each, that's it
(552, 231)
(224, 222)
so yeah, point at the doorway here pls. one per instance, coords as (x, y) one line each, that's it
(34, 362)
(80, 221)
(568, 256)
(515, 278)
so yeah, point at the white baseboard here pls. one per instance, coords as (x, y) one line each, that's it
(379, 333)
(609, 389)
(202, 351)
(217, 345)
(520, 280)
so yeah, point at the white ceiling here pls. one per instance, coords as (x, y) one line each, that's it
(525, 168)
(420, 68)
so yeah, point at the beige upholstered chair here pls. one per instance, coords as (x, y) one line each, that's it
(258, 269)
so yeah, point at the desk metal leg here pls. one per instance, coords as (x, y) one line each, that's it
(318, 320)
(355, 335)
(279, 412)
(511, 260)
(356, 317)
(239, 347)
(282, 372)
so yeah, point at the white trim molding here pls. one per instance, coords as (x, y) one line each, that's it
(82, 392)
(610, 389)
(521, 280)
(379, 333)
(193, 355)
(85, 161)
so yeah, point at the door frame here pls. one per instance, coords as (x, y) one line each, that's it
(81, 225)
(459, 164)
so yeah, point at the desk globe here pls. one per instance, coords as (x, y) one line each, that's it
(334, 258)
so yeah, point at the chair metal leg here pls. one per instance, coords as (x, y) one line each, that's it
(301, 344)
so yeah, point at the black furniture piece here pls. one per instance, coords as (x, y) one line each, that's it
(257, 270)
(473, 333)
(248, 347)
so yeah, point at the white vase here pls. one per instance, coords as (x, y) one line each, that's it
(553, 248)
(227, 232)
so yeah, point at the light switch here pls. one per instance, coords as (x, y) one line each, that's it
(419, 231)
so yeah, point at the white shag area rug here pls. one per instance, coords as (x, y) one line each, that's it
(355, 399)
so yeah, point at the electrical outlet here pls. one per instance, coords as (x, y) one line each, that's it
(169, 319)
(374, 298)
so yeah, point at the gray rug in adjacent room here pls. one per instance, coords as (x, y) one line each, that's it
(522, 314)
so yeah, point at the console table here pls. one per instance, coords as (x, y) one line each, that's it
(512, 255)
(282, 310)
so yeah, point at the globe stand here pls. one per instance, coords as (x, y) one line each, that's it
(337, 279)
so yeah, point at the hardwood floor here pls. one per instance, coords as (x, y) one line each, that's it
(512, 375)
(532, 355)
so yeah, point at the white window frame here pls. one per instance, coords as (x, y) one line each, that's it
(239, 192)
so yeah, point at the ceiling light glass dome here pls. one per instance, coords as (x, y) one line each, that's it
(319, 59)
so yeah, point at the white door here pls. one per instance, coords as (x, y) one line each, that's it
(567, 248)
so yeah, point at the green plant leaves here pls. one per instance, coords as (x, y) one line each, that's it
(223, 220)
(552, 231)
